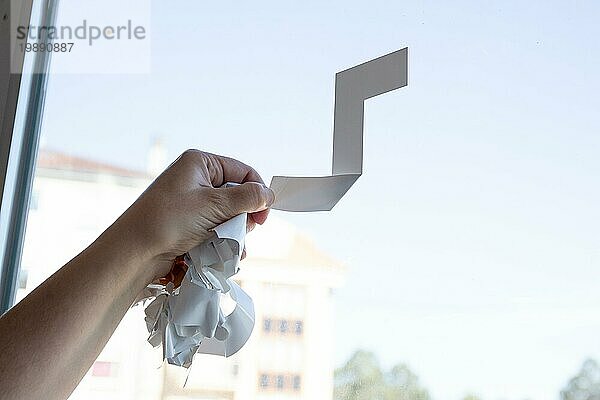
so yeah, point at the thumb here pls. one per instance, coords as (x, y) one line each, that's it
(248, 197)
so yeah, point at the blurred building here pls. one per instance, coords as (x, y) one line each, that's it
(290, 353)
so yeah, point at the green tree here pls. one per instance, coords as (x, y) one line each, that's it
(585, 385)
(403, 384)
(361, 378)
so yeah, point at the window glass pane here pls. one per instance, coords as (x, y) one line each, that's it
(465, 260)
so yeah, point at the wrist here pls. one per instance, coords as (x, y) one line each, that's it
(128, 251)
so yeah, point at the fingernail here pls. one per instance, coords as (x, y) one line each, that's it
(270, 196)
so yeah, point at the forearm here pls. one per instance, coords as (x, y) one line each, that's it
(52, 337)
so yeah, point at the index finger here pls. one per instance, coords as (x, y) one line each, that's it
(225, 169)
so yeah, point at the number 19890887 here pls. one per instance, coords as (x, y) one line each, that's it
(49, 47)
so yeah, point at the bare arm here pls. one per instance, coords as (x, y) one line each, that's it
(51, 338)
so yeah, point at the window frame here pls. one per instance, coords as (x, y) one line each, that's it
(20, 93)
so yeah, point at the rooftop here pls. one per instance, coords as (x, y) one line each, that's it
(280, 240)
(49, 159)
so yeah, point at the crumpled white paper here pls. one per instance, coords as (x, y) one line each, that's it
(189, 319)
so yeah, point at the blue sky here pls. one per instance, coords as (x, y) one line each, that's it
(472, 239)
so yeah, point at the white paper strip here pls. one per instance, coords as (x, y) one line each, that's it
(352, 87)
(189, 319)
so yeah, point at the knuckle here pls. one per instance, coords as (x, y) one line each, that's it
(220, 202)
(254, 193)
(215, 196)
(190, 155)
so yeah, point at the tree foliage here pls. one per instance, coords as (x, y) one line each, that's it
(585, 385)
(361, 378)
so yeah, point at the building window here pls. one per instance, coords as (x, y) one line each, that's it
(264, 381)
(283, 326)
(23, 275)
(280, 382)
(267, 322)
(298, 328)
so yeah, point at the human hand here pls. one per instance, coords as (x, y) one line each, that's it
(178, 210)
